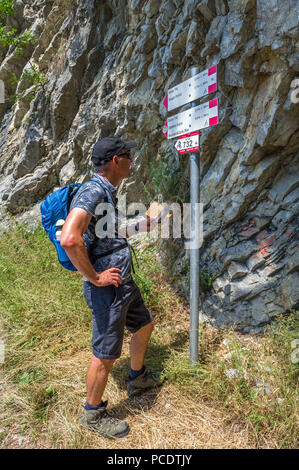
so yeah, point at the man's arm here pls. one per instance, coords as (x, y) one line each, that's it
(72, 241)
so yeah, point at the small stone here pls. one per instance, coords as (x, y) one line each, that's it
(263, 387)
(21, 440)
(268, 389)
(232, 373)
(227, 356)
(259, 383)
(237, 427)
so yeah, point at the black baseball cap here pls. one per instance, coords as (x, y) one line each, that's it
(106, 148)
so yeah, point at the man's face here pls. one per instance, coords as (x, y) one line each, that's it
(122, 162)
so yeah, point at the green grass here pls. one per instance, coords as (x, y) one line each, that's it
(42, 307)
(46, 319)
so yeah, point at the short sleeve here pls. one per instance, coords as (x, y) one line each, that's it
(88, 197)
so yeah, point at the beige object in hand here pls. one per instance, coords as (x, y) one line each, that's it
(156, 211)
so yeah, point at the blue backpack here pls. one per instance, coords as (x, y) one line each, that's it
(54, 211)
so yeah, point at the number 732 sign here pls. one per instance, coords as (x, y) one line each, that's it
(188, 142)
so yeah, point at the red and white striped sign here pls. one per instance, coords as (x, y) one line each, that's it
(188, 142)
(199, 117)
(200, 85)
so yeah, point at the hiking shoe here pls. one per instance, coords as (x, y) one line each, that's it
(143, 382)
(102, 423)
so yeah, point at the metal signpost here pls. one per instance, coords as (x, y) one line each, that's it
(189, 123)
(194, 252)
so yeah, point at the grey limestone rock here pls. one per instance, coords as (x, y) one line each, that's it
(237, 270)
(207, 8)
(31, 154)
(108, 67)
(136, 5)
(221, 7)
(289, 290)
(151, 8)
(147, 39)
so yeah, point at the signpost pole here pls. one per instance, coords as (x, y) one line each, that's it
(194, 251)
(186, 125)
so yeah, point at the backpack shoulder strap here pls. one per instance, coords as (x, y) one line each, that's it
(101, 186)
(74, 188)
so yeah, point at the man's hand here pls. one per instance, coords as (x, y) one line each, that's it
(108, 277)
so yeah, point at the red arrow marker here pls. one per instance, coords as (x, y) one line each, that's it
(165, 101)
(212, 70)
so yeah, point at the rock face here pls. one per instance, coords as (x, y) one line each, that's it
(108, 66)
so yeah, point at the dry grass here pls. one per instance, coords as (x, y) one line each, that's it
(167, 419)
(48, 335)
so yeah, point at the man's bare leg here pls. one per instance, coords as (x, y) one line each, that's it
(139, 381)
(97, 419)
(96, 379)
(138, 345)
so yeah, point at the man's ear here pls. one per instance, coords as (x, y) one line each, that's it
(115, 159)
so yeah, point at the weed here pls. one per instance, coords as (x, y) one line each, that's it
(29, 377)
(172, 182)
(41, 400)
(31, 79)
(206, 279)
(6, 9)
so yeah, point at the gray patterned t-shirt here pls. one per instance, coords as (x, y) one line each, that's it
(88, 197)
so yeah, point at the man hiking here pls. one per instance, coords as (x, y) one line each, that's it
(109, 290)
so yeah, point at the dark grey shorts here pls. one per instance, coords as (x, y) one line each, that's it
(113, 308)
